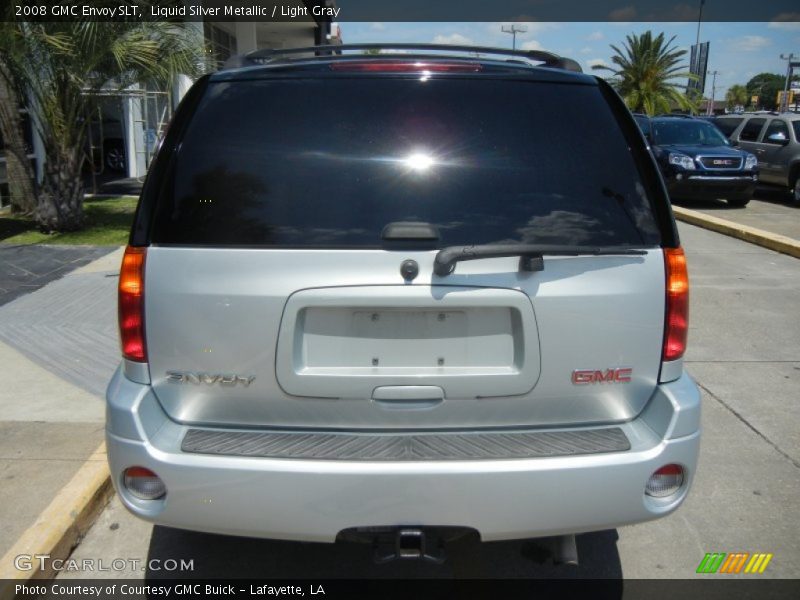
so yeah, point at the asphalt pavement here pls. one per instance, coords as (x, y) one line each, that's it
(744, 351)
(27, 268)
(769, 210)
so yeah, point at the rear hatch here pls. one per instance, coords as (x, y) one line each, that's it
(274, 298)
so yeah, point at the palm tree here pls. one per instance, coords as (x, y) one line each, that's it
(736, 96)
(18, 168)
(58, 69)
(645, 74)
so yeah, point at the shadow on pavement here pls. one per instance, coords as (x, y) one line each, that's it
(704, 204)
(773, 195)
(218, 557)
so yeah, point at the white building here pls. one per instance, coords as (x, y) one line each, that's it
(124, 137)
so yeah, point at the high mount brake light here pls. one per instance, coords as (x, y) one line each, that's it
(676, 323)
(131, 304)
(405, 66)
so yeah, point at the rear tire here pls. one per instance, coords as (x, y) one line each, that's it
(738, 202)
(795, 191)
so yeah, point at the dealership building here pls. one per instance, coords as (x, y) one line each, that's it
(124, 134)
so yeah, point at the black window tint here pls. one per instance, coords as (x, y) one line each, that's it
(727, 126)
(796, 127)
(751, 130)
(776, 126)
(329, 162)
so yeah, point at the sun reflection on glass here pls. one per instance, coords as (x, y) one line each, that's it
(419, 161)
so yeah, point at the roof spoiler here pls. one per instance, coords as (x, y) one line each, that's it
(270, 55)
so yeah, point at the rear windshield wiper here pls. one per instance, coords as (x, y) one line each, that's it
(531, 255)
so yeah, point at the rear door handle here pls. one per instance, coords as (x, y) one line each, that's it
(408, 396)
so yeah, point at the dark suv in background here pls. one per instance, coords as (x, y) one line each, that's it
(697, 161)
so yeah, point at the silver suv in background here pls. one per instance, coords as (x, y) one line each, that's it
(775, 140)
(393, 294)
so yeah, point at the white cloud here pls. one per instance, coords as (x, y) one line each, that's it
(597, 62)
(454, 39)
(377, 26)
(751, 43)
(531, 45)
(595, 36)
(586, 50)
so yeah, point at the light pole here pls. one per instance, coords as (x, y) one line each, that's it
(514, 30)
(710, 107)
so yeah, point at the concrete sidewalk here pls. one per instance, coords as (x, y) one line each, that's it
(58, 348)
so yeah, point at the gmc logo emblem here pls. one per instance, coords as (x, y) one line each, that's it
(723, 162)
(586, 377)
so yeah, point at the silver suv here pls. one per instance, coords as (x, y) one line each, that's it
(383, 294)
(775, 140)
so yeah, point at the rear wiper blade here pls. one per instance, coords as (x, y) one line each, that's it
(531, 255)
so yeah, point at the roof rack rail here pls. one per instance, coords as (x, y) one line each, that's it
(268, 55)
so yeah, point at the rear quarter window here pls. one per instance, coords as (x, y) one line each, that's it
(328, 162)
(751, 130)
(727, 126)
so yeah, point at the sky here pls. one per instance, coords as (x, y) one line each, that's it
(738, 51)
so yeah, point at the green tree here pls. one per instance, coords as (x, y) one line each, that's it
(645, 74)
(737, 96)
(766, 86)
(57, 70)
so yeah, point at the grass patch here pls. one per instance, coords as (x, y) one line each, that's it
(108, 223)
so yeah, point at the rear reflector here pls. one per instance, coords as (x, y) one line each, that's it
(676, 323)
(665, 482)
(143, 483)
(405, 66)
(131, 304)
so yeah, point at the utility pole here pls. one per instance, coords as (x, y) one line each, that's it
(710, 107)
(785, 100)
(514, 30)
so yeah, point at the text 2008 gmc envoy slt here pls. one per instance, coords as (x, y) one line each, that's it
(399, 292)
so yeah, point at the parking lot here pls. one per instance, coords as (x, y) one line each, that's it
(744, 353)
(768, 210)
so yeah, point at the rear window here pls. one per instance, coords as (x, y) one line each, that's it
(329, 162)
(727, 126)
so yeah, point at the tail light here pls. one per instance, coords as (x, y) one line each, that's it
(131, 304)
(405, 66)
(676, 324)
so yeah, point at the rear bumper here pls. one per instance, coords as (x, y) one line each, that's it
(313, 500)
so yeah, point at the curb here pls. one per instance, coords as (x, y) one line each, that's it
(760, 237)
(60, 526)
